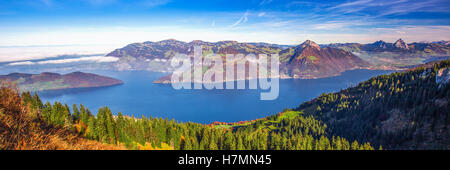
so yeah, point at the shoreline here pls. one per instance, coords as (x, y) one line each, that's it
(283, 77)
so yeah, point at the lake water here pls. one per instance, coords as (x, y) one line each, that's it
(139, 96)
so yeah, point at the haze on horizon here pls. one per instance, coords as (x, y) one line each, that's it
(119, 22)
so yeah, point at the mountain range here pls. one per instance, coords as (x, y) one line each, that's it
(55, 81)
(307, 60)
(401, 47)
(398, 54)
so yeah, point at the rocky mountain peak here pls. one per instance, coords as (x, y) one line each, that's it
(380, 44)
(309, 43)
(401, 44)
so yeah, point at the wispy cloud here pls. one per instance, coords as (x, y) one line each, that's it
(391, 7)
(417, 6)
(144, 3)
(335, 25)
(264, 2)
(124, 22)
(351, 4)
(241, 20)
(275, 24)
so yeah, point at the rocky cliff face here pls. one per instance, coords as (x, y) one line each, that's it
(442, 76)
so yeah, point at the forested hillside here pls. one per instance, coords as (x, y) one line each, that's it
(22, 127)
(293, 131)
(155, 133)
(407, 110)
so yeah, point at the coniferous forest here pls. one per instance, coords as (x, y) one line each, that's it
(404, 110)
(290, 133)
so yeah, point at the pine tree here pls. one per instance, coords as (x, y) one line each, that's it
(213, 145)
(91, 128)
(110, 125)
(100, 125)
(75, 112)
(355, 145)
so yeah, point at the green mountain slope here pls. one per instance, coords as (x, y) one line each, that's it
(407, 110)
(290, 131)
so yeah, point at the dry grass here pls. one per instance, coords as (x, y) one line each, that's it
(22, 128)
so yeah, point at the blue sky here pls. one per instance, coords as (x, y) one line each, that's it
(65, 22)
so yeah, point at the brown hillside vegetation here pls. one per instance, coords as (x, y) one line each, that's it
(21, 128)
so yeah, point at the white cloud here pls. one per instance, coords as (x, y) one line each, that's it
(97, 59)
(21, 63)
(261, 14)
(22, 53)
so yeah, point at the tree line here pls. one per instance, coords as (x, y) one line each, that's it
(298, 133)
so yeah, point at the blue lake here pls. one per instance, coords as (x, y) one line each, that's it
(139, 96)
